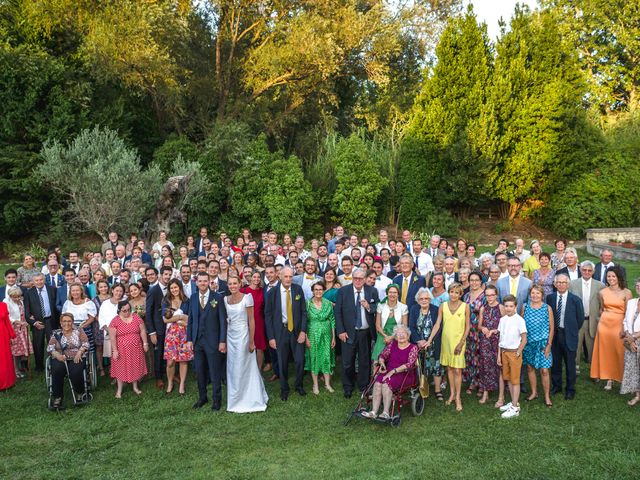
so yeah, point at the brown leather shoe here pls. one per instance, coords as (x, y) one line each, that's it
(159, 384)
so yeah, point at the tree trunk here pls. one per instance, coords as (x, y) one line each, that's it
(168, 209)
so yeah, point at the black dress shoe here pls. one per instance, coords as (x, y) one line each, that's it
(284, 396)
(215, 405)
(555, 390)
(348, 394)
(301, 391)
(570, 395)
(200, 403)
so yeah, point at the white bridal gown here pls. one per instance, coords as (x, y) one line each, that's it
(245, 387)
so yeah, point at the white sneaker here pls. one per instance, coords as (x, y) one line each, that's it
(506, 407)
(512, 412)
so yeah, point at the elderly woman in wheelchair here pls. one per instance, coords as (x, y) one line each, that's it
(396, 372)
(67, 348)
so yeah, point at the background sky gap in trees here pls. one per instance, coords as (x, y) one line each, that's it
(490, 11)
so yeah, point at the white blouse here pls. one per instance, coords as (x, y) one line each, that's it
(398, 312)
(80, 312)
(632, 317)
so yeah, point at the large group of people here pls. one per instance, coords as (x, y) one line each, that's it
(241, 313)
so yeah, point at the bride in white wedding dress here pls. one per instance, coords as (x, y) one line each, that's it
(245, 387)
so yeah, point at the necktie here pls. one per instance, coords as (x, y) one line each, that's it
(359, 310)
(604, 274)
(514, 290)
(405, 289)
(289, 311)
(559, 312)
(41, 303)
(202, 300)
(417, 266)
(322, 266)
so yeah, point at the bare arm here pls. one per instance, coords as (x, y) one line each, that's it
(252, 328)
(436, 327)
(114, 344)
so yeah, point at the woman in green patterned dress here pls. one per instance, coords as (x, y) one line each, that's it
(320, 356)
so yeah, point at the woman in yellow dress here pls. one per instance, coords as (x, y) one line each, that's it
(608, 348)
(454, 315)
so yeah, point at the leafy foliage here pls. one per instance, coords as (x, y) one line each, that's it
(102, 181)
(359, 185)
(175, 146)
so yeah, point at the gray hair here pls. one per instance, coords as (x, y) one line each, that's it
(358, 270)
(407, 257)
(435, 237)
(494, 267)
(571, 250)
(588, 263)
(421, 291)
(13, 290)
(283, 269)
(562, 275)
(438, 258)
(464, 270)
(402, 326)
(484, 256)
(533, 242)
(38, 275)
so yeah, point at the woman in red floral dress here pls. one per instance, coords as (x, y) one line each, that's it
(175, 313)
(128, 337)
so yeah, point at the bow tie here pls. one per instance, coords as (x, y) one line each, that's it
(309, 277)
(347, 278)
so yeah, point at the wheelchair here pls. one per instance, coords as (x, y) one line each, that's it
(78, 400)
(413, 395)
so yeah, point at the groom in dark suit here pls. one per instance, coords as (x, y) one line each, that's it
(207, 335)
(568, 315)
(285, 313)
(355, 313)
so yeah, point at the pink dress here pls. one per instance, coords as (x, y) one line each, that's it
(395, 357)
(20, 346)
(130, 366)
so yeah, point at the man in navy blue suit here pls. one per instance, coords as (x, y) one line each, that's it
(568, 315)
(355, 313)
(11, 280)
(63, 290)
(53, 278)
(285, 312)
(408, 281)
(155, 324)
(271, 281)
(207, 336)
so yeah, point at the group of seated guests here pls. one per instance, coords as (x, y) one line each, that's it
(475, 320)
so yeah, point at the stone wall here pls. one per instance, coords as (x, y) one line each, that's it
(623, 242)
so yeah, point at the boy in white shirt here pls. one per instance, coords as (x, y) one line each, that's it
(513, 338)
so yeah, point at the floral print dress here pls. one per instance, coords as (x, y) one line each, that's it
(472, 359)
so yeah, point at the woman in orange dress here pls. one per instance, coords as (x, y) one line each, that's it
(608, 349)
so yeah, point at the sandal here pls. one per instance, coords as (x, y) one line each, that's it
(529, 399)
(384, 416)
(609, 385)
(439, 396)
(499, 403)
(369, 414)
(548, 404)
(633, 401)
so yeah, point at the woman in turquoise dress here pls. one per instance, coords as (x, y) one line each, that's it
(320, 356)
(390, 313)
(331, 285)
(536, 355)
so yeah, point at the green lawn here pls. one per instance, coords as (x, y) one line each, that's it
(159, 436)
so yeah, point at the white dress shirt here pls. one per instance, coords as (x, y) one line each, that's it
(283, 303)
(381, 285)
(424, 263)
(363, 324)
(586, 294)
(564, 308)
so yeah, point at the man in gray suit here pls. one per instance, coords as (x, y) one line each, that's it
(514, 284)
(587, 289)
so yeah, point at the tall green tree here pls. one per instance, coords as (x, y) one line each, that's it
(532, 134)
(606, 34)
(450, 100)
(359, 185)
